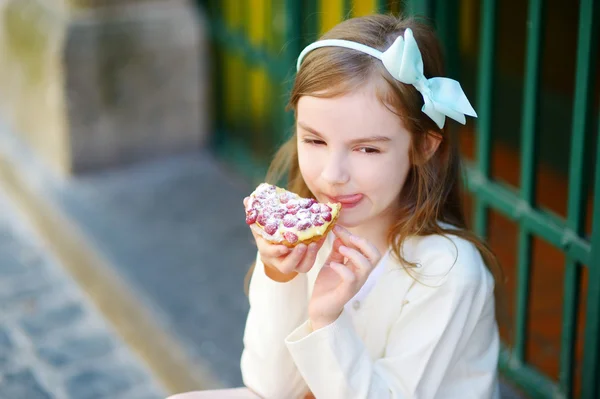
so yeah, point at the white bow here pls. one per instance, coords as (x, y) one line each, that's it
(441, 96)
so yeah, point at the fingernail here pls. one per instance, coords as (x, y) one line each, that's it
(337, 229)
(343, 249)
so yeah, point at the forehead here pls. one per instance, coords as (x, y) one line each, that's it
(355, 114)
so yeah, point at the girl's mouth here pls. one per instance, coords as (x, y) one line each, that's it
(348, 201)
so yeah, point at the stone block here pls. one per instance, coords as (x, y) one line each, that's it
(69, 350)
(18, 259)
(106, 382)
(96, 87)
(6, 349)
(45, 321)
(22, 384)
(5, 341)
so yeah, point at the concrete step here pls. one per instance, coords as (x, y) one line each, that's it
(141, 245)
(162, 248)
(54, 343)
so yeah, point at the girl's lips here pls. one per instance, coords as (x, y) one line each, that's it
(348, 201)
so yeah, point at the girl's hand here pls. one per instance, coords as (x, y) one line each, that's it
(345, 271)
(283, 263)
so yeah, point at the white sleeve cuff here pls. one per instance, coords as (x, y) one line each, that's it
(329, 357)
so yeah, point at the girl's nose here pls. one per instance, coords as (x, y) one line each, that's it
(335, 170)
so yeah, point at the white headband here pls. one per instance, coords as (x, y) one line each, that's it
(442, 96)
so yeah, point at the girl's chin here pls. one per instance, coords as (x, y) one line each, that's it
(349, 220)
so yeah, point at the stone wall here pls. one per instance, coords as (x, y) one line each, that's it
(90, 87)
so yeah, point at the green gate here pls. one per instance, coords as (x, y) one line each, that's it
(255, 45)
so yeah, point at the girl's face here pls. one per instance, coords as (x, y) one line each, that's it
(353, 150)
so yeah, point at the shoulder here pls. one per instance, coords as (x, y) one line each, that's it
(447, 259)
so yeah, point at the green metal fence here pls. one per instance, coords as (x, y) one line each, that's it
(255, 45)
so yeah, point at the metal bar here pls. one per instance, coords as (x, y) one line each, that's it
(244, 82)
(536, 221)
(382, 6)
(576, 206)
(293, 40)
(582, 109)
(347, 9)
(236, 42)
(311, 21)
(213, 12)
(523, 292)
(591, 356)
(484, 101)
(570, 308)
(587, 42)
(529, 123)
(529, 130)
(446, 18)
(272, 86)
(535, 384)
(419, 7)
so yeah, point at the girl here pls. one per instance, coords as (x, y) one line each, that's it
(397, 301)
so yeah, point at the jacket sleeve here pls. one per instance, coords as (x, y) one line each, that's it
(276, 309)
(420, 348)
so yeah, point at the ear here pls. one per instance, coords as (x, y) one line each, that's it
(431, 143)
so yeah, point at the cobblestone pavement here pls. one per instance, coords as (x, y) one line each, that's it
(54, 344)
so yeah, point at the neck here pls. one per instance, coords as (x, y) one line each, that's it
(375, 231)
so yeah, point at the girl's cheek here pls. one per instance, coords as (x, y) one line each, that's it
(307, 164)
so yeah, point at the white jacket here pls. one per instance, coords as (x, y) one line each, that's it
(432, 336)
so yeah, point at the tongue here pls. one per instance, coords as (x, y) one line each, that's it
(350, 200)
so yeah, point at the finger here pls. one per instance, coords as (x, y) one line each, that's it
(344, 272)
(321, 242)
(358, 260)
(309, 259)
(335, 255)
(368, 249)
(294, 257)
(246, 202)
(269, 249)
(359, 243)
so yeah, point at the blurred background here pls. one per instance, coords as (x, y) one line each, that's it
(131, 130)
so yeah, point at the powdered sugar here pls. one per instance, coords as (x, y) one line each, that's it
(280, 215)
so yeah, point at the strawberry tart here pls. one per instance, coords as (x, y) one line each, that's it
(282, 217)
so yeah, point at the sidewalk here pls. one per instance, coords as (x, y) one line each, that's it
(53, 342)
(173, 234)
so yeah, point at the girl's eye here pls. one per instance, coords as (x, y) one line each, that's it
(369, 150)
(314, 142)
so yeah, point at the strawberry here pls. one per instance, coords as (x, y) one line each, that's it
(290, 220)
(262, 219)
(306, 203)
(284, 198)
(317, 221)
(271, 228)
(293, 210)
(251, 216)
(304, 224)
(325, 208)
(290, 237)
